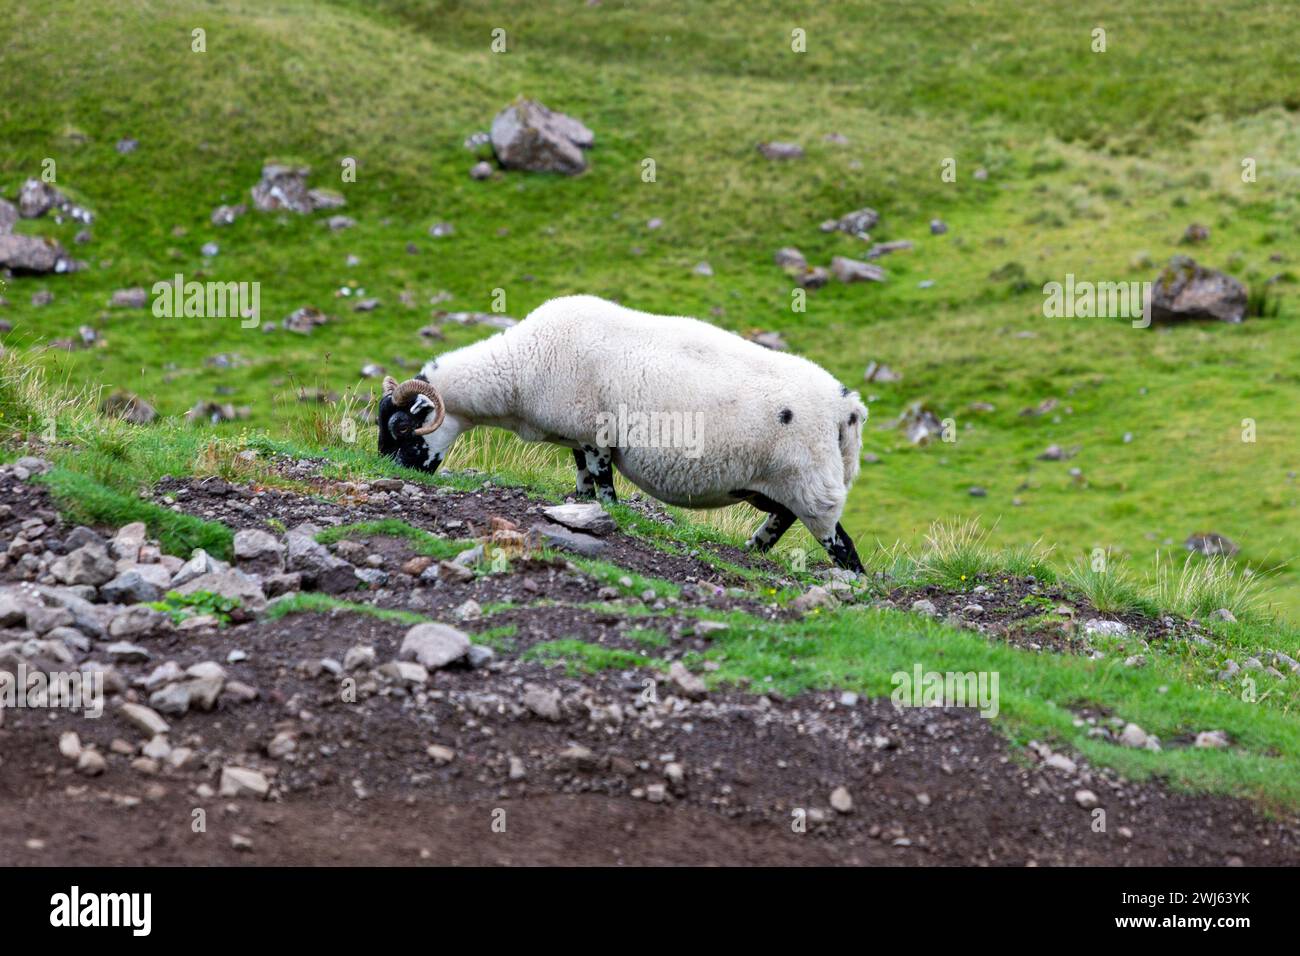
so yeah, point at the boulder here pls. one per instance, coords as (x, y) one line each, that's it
(558, 536)
(319, 568)
(855, 270)
(230, 583)
(528, 136)
(1185, 290)
(89, 564)
(434, 645)
(200, 563)
(34, 254)
(258, 551)
(139, 620)
(136, 585)
(588, 517)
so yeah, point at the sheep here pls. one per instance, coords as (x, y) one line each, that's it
(693, 415)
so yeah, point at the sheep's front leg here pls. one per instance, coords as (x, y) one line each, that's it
(586, 487)
(600, 468)
(830, 534)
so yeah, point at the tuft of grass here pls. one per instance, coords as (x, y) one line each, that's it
(583, 657)
(421, 541)
(316, 603)
(1202, 585)
(1111, 590)
(86, 501)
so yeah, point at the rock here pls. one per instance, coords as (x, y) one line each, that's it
(557, 536)
(320, 568)
(855, 270)
(132, 298)
(656, 793)
(128, 407)
(230, 583)
(139, 620)
(359, 657)
(89, 564)
(769, 340)
(41, 619)
(434, 645)
(704, 628)
(481, 170)
(8, 216)
(920, 424)
(1061, 762)
(200, 563)
(480, 655)
(469, 611)
(1185, 290)
(1223, 614)
(885, 248)
(141, 583)
(145, 720)
(91, 763)
(685, 682)
(441, 755)
(791, 259)
(173, 700)
(841, 800)
(1135, 737)
(1097, 627)
(542, 701)
(1210, 544)
(588, 517)
(1086, 799)
(70, 744)
(924, 606)
(781, 151)
(938, 227)
(856, 223)
(811, 278)
(259, 552)
(878, 372)
(285, 187)
(241, 781)
(528, 136)
(1212, 739)
(225, 215)
(815, 597)
(517, 769)
(276, 585)
(124, 652)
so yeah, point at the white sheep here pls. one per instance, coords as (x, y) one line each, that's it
(692, 414)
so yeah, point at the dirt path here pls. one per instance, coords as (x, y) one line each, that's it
(533, 764)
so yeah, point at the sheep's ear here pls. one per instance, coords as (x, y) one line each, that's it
(390, 385)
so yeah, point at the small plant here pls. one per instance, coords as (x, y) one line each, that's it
(180, 606)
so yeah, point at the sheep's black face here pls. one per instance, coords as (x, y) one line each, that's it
(397, 438)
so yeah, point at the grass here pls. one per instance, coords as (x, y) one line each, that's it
(1096, 162)
(581, 657)
(305, 602)
(420, 541)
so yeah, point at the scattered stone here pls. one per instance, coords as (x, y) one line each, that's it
(145, 720)
(877, 372)
(242, 781)
(528, 136)
(91, 763)
(1086, 799)
(1210, 544)
(1212, 739)
(542, 701)
(441, 755)
(34, 254)
(1098, 627)
(1185, 290)
(133, 298)
(687, 683)
(781, 151)
(924, 606)
(70, 744)
(434, 645)
(938, 227)
(285, 188)
(856, 223)
(855, 270)
(258, 551)
(587, 517)
(557, 536)
(815, 597)
(128, 407)
(841, 800)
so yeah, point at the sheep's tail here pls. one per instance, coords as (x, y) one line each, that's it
(854, 411)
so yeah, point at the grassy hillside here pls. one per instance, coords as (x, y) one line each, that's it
(1096, 164)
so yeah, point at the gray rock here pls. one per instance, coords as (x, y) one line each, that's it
(781, 151)
(132, 298)
(542, 701)
(685, 682)
(139, 620)
(841, 800)
(200, 563)
(815, 597)
(145, 720)
(855, 270)
(1210, 543)
(558, 536)
(173, 700)
(258, 551)
(480, 656)
(230, 583)
(41, 619)
(528, 136)
(144, 582)
(243, 782)
(319, 568)
(856, 223)
(88, 564)
(434, 645)
(1212, 739)
(1185, 290)
(924, 606)
(588, 517)
(1097, 627)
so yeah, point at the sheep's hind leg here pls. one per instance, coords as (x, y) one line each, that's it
(586, 487)
(779, 520)
(600, 467)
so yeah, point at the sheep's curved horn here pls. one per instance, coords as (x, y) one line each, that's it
(405, 393)
(390, 385)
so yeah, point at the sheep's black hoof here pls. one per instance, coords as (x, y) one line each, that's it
(842, 551)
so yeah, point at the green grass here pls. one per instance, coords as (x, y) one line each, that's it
(581, 657)
(315, 603)
(860, 650)
(85, 501)
(420, 541)
(1095, 161)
